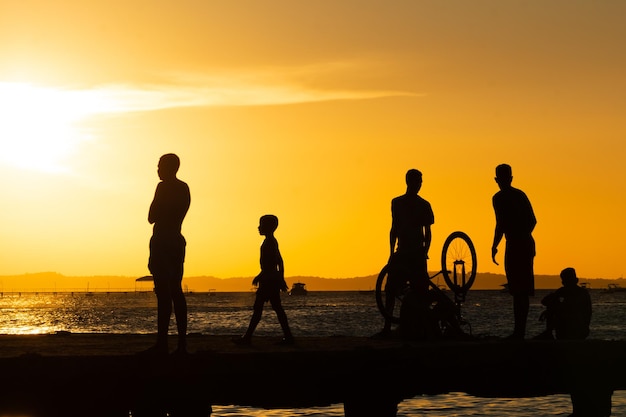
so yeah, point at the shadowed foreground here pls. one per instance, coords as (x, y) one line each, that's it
(101, 375)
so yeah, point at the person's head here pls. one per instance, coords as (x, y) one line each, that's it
(268, 224)
(504, 175)
(568, 277)
(168, 166)
(413, 180)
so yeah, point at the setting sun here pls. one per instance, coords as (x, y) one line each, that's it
(38, 125)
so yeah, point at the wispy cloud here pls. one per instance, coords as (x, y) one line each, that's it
(125, 98)
(268, 86)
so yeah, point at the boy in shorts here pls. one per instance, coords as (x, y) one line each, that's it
(270, 282)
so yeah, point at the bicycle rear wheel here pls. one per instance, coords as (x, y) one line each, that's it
(458, 262)
(389, 304)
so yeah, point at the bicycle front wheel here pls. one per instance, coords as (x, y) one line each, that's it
(458, 262)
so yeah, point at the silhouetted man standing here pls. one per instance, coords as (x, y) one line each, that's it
(515, 220)
(167, 251)
(409, 241)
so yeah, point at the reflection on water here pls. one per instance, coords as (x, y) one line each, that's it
(321, 314)
(447, 405)
(333, 411)
(80, 313)
(318, 314)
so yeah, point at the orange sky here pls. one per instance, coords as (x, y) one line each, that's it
(312, 111)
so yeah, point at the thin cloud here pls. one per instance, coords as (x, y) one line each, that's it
(123, 98)
(269, 86)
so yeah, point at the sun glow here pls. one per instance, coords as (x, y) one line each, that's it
(38, 125)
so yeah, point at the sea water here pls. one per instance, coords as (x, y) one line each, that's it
(316, 314)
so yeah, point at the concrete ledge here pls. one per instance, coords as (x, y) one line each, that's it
(101, 375)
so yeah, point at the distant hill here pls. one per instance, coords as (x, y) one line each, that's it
(486, 281)
(52, 281)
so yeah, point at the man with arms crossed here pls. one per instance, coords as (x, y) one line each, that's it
(167, 251)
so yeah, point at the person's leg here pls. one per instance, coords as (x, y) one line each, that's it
(550, 319)
(157, 264)
(393, 286)
(281, 315)
(518, 266)
(177, 295)
(257, 313)
(415, 310)
(390, 301)
(164, 310)
(180, 312)
(521, 304)
(414, 318)
(420, 280)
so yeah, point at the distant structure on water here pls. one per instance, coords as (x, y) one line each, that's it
(298, 288)
(615, 288)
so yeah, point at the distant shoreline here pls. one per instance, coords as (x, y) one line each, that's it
(51, 282)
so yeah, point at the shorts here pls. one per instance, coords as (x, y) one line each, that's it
(167, 257)
(518, 265)
(408, 267)
(268, 292)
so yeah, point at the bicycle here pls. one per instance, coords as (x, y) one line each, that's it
(458, 268)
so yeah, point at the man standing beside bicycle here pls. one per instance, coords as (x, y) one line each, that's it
(409, 242)
(515, 221)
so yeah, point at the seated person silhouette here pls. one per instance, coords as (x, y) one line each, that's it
(568, 310)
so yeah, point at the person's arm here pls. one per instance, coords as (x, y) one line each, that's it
(392, 242)
(393, 234)
(533, 219)
(187, 200)
(427, 239)
(550, 299)
(153, 213)
(281, 269)
(497, 237)
(255, 281)
(279, 263)
(497, 234)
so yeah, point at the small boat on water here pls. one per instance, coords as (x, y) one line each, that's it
(615, 288)
(298, 288)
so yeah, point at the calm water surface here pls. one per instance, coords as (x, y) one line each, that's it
(318, 314)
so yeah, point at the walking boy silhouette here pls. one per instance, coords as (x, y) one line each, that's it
(271, 281)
